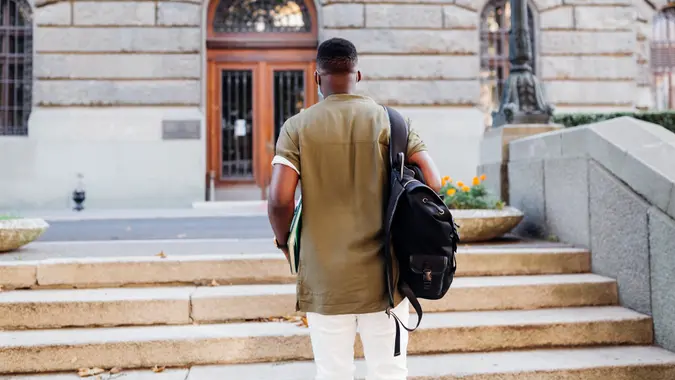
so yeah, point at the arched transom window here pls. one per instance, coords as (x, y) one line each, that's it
(494, 52)
(663, 58)
(262, 16)
(16, 74)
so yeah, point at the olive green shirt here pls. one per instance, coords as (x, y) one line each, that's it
(340, 148)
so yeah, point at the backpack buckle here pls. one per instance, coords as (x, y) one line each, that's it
(401, 157)
(427, 276)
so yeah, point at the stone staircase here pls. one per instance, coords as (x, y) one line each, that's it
(526, 311)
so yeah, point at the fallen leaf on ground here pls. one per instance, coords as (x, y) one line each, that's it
(298, 321)
(157, 369)
(86, 372)
(161, 254)
(214, 283)
(115, 370)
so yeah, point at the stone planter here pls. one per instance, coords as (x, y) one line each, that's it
(15, 233)
(483, 225)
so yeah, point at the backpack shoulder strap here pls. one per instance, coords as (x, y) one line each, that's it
(398, 138)
(398, 146)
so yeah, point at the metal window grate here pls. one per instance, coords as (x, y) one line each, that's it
(16, 73)
(261, 16)
(494, 52)
(662, 58)
(289, 96)
(237, 124)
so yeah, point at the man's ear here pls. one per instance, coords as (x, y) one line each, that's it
(358, 76)
(317, 78)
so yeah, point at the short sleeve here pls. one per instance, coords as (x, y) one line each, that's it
(288, 145)
(415, 143)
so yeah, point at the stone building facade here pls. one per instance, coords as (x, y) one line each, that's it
(149, 99)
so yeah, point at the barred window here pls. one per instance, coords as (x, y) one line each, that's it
(16, 53)
(262, 16)
(663, 58)
(494, 52)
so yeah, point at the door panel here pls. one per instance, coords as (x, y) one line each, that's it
(248, 103)
(236, 125)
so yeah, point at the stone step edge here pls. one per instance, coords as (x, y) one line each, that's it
(62, 350)
(229, 304)
(492, 319)
(60, 272)
(546, 364)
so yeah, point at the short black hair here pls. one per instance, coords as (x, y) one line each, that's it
(336, 56)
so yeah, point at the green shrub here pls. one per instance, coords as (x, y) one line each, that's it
(665, 119)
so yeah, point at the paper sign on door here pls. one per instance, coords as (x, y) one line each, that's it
(240, 128)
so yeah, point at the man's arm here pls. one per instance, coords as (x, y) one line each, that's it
(281, 201)
(431, 174)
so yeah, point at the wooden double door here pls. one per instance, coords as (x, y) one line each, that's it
(250, 96)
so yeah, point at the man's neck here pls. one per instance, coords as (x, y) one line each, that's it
(329, 93)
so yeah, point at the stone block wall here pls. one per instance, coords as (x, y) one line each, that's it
(112, 53)
(587, 54)
(422, 58)
(117, 98)
(610, 187)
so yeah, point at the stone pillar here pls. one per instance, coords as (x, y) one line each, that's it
(494, 153)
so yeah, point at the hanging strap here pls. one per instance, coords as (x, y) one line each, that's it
(408, 293)
(398, 146)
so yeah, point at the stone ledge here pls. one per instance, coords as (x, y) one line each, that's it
(116, 13)
(408, 41)
(637, 152)
(118, 66)
(88, 92)
(415, 92)
(429, 67)
(403, 16)
(607, 92)
(133, 347)
(184, 40)
(586, 42)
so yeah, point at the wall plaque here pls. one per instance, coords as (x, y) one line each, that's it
(181, 129)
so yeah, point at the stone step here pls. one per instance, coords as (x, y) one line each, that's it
(145, 347)
(36, 309)
(596, 363)
(254, 268)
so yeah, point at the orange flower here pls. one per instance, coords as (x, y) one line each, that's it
(451, 191)
(483, 177)
(476, 181)
(466, 189)
(445, 180)
(460, 184)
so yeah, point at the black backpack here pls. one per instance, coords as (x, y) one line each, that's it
(420, 228)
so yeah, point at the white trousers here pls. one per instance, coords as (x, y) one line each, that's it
(333, 344)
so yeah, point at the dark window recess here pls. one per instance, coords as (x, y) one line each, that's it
(261, 16)
(494, 52)
(289, 96)
(16, 71)
(237, 125)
